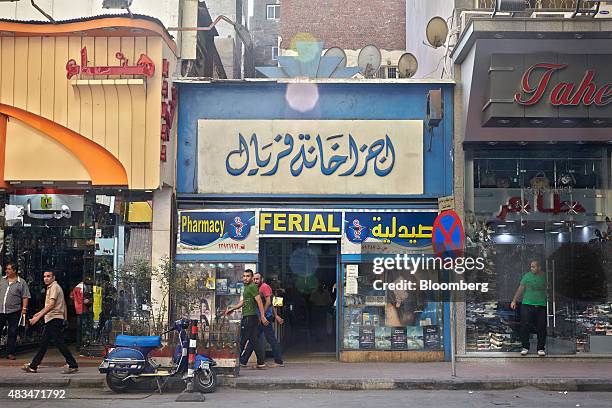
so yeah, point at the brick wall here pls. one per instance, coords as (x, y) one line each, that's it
(349, 24)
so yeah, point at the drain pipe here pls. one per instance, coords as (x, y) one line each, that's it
(41, 11)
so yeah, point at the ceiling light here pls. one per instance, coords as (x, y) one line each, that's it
(538, 229)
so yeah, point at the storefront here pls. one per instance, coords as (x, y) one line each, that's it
(307, 183)
(537, 151)
(85, 175)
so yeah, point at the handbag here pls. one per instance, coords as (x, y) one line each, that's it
(539, 181)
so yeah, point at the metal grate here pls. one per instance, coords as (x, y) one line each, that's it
(542, 4)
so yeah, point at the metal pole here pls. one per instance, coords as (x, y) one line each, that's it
(192, 350)
(453, 313)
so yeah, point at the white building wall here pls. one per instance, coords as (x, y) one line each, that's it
(165, 10)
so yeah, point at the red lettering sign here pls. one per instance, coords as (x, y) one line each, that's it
(563, 93)
(144, 67)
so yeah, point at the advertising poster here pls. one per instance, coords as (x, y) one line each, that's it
(366, 337)
(351, 338)
(398, 338)
(383, 338)
(217, 231)
(414, 337)
(388, 232)
(431, 339)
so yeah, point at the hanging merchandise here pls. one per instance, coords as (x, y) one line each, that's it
(539, 181)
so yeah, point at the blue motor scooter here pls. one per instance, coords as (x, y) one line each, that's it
(129, 362)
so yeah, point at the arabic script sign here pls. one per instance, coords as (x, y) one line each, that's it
(388, 231)
(310, 157)
(144, 67)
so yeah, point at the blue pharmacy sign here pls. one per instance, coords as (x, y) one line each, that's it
(217, 231)
(406, 229)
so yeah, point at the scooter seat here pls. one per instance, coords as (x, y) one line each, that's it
(123, 340)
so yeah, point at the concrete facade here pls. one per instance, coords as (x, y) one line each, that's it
(265, 32)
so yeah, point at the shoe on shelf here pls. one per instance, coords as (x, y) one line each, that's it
(28, 369)
(524, 352)
(11, 357)
(541, 353)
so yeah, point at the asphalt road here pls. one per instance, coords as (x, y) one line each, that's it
(528, 398)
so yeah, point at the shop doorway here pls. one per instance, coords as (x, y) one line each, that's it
(303, 273)
(578, 270)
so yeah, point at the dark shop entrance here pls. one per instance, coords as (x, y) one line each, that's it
(303, 273)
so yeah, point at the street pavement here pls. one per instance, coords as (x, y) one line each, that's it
(524, 397)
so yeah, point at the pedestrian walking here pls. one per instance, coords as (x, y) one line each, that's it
(532, 292)
(15, 295)
(267, 332)
(54, 315)
(250, 303)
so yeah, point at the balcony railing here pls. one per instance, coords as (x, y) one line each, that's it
(542, 4)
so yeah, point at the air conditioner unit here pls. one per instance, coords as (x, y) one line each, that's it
(467, 15)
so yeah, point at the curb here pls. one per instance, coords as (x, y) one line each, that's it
(462, 384)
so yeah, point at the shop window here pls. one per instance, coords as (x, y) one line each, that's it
(387, 319)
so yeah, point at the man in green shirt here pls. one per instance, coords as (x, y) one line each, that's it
(532, 291)
(249, 330)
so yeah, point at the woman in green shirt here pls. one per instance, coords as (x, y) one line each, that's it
(532, 291)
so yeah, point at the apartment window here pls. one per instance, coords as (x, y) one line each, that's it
(391, 72)
(274, 53)
(273, 11)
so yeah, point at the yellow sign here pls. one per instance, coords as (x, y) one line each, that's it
(301, 223)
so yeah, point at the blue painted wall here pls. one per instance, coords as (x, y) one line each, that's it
(266, 100)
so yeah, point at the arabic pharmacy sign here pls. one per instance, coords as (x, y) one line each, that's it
(217, 231)
(388, 231)
(337, 157)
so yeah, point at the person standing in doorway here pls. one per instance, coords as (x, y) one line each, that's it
(14, 295)
(265, 291)
(532, 292)
(54, 315)
(251, 301)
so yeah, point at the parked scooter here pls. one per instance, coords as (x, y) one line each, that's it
(129, 362)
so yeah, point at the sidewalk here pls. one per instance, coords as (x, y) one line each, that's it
(549, 375)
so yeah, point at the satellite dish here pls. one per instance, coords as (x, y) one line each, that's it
(437, 31)
(369, 60)
(407, 65)
(337, 52)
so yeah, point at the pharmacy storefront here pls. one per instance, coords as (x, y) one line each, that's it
(309, 184)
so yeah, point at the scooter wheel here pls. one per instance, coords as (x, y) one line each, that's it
(116, 383)
(205, 381)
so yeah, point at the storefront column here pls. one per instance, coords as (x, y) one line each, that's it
(459, 194)
(160, 244)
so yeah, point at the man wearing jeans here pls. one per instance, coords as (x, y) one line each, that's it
(14, 295)
(54, 314)
(249, 325)
(268, 331)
